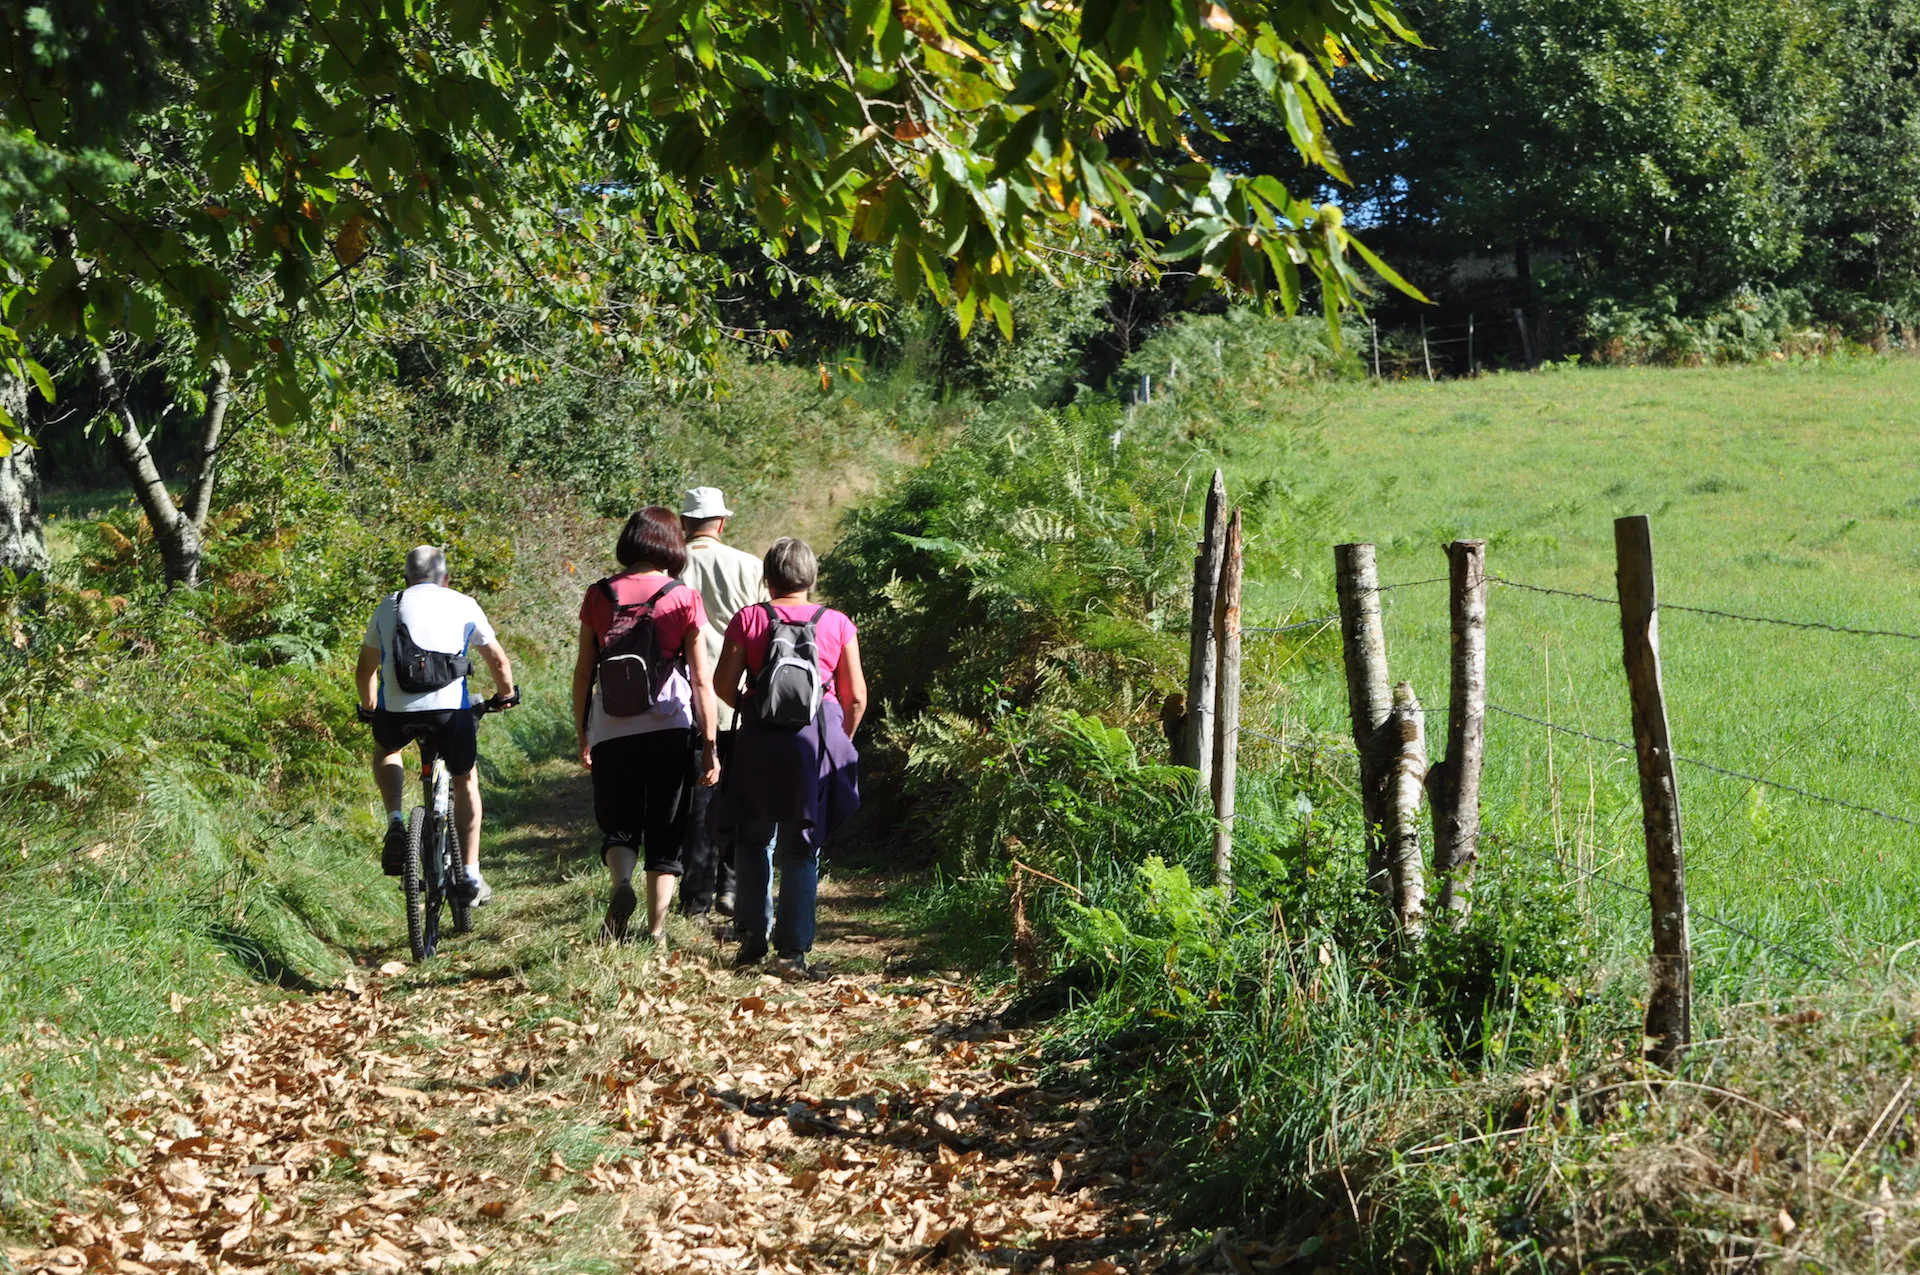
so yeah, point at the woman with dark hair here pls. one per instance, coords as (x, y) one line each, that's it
(641, 687)
(794, 776)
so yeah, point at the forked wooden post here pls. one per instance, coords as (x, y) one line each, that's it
(1670, 1000)
(1406, 725)
(1226, 722)
(1369, 696)
(1197, 746)
(1453, 785)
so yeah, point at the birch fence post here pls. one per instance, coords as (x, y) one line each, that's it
(1369, 698)
(1197, 747)
(1471, 369)
(1669, 1027)
(1426, 355)
(1407, 731)
(1226, 718)
(1453, 784)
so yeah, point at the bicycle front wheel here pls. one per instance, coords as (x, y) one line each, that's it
(413, 880)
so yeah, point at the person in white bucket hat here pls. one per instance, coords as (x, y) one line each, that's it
(726, 580)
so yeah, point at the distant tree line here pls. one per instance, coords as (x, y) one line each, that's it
(1630, 173)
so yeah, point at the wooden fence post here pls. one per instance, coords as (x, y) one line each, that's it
(1426, 355)
(1406, 727)
(1197, 746)
(1453, 785)
(1226, 721)
(1369, 697)
(1670, 1000)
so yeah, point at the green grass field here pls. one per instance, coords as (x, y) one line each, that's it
(1785, 491)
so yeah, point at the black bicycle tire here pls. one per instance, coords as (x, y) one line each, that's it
(413, 883)
(455, 874)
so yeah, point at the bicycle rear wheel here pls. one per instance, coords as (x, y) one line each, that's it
(413, 881)
(456, 878)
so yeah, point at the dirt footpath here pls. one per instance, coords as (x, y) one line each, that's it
(661, 1115)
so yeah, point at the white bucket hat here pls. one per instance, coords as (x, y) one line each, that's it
(705, 502)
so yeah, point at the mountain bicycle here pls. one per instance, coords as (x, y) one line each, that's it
(434, 862)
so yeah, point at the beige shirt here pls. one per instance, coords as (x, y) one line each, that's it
(727, 580)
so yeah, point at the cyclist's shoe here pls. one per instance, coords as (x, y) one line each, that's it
(473, 890)
(393, 855)
(619, 912)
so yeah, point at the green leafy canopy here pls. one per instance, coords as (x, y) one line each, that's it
(239, 168)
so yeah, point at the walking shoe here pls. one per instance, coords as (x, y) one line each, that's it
(724, 903)
(795, 969)
(474, 890)
(749, 955)
(619, 912)
(393, 854)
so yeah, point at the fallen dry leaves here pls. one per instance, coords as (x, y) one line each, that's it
(735, 1125)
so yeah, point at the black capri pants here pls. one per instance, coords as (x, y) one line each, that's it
(642, 792)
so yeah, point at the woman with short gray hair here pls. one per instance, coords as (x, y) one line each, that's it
(792, 669)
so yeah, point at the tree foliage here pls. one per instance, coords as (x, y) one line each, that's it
(239, 166)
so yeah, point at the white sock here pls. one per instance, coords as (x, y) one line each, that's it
(394, 816)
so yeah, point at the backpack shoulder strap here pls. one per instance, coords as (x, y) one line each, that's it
(815, 617)
(663, 591)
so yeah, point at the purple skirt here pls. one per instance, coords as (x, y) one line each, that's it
(809, 776)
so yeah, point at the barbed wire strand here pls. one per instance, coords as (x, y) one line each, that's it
(1558, 593)
(1541, 851)
(1692, 911)
(1712, 611)
(1335, 617)
(1718, 770)
(1792, 624)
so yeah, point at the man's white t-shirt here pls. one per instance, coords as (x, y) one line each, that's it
(438, 619)
(728, 580)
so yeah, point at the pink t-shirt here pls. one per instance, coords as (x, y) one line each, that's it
(830, 636)
(673, 616)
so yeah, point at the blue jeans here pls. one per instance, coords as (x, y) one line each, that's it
(791, 925)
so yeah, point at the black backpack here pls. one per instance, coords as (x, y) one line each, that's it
(633, 669)
(789, 689)
(419, 670)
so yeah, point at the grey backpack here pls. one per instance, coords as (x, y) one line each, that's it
(789, 689)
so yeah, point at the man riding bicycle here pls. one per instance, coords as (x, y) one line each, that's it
(412, 683)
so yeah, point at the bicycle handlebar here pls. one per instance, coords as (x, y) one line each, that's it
(499, 703)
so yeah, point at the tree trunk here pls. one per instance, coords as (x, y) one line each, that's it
(23, 533)
(200, 495)
(173, 530)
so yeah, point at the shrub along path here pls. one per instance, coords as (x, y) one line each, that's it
(531, 1099)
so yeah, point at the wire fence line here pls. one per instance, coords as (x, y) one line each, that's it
(1324, 620)
(1792, 624)
(1541, 851)
(1692, 911)
(1712, 611)
(1695, 762)
(1558, 593)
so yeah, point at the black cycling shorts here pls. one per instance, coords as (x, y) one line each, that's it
(451, 732)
